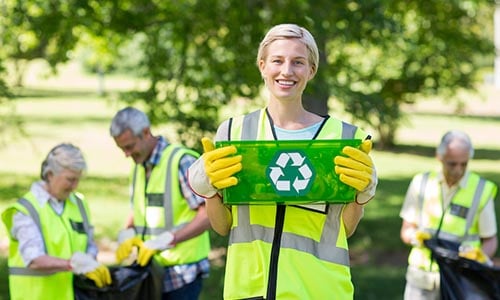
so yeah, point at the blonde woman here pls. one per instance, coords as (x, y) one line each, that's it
(285, 251)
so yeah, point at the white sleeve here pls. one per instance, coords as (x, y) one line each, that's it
(487, 220)
(29, 237)
(410, 210)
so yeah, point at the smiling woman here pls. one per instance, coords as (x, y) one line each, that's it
(311, 240)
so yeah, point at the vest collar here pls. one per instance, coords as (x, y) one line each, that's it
(461, 184)
(43, 197)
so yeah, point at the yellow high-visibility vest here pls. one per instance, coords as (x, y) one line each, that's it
(160, 207)
(287, 252)
(459, 222)
(62, 235)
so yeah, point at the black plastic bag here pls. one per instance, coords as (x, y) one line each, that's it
(463, 278)
(128, 282)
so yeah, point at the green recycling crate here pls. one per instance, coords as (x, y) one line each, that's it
(289, 172)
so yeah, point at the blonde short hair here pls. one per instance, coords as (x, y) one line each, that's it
(290, 31)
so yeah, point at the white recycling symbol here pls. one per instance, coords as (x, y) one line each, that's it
(291, 173)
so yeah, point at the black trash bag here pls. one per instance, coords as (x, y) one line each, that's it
(462, 278)
(128, 282)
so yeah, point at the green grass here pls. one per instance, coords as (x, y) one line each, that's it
(378, 255)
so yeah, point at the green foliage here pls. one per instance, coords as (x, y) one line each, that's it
(417, 50)
(375, 56)
(4, 287)
(198, 56)
(10, 124)
(40, 29)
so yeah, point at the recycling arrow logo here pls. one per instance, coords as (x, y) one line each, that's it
(291, 173)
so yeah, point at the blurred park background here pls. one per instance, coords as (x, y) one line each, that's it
(406, 71)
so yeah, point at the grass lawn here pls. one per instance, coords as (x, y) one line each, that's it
(80, 116)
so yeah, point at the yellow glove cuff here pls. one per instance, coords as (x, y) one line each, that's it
(220, 164)
(100, 276)
(125, 248)
(145, 255)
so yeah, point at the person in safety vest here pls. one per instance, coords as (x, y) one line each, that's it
(168, 221)
(452, 204)
(51, 237)
(285, 251)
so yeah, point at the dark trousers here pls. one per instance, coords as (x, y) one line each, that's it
(188, 292)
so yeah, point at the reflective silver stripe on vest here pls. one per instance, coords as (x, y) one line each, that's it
(167, 194)
(36, 218)
(134, 178)
(157, 231)
(167, 203)
(348, 130)
(250, 126)
(475, 204)
(453, 237)
(325, 249)
(28, 272)
(85, 219)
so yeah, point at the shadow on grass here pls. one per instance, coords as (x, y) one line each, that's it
(4, 283)
(25, 92)
(428, 151)
(478, 117)
(375, 282)
(68, 121)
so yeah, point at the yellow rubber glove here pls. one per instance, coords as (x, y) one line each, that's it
(214, 170)
(126, 247)
(147, 249)
(356, 169)
(219, 165)
(100, 276)
(145, 254)
(474, 253)
(83, 263)
(419, 237)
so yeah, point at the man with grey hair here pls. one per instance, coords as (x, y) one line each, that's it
(452, 204)
(168, 222)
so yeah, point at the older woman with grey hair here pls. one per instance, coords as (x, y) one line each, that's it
(51, 237)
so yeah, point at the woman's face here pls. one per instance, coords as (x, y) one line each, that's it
(62, 184)
(286, 69)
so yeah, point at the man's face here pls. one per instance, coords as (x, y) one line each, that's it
(455, 162)
(133, 146)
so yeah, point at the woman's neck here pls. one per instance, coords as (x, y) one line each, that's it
(292, 117)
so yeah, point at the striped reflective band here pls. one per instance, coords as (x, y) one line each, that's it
(36, 218)
(28, 272)
(470, 214)
(167, 202)
(324, 249)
